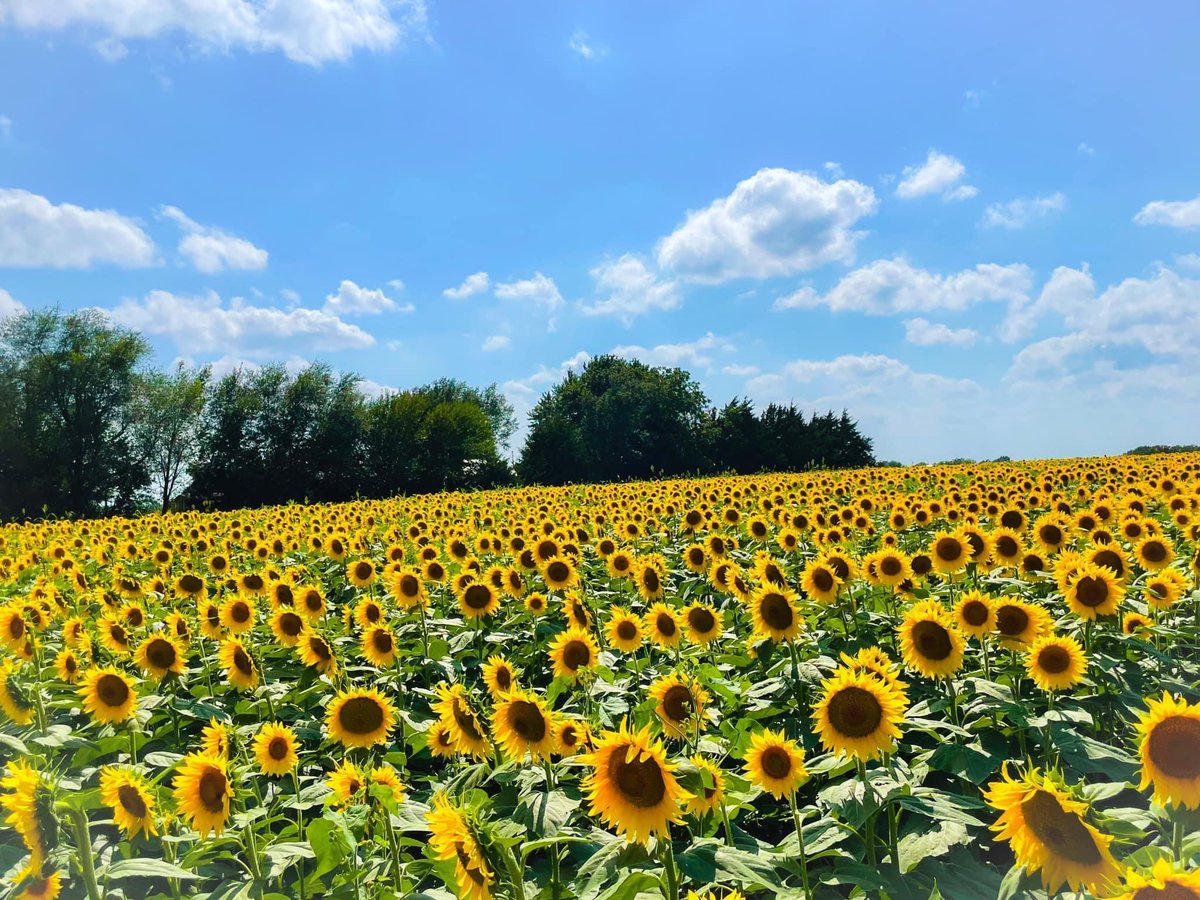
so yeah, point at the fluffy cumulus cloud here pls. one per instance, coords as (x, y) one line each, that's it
(494, 342)
(9, 306)
(472, 285)
(538, 291)
(211, 250)
(890, 286)
(775, 223)
(924, 333)
(1023, 211)
(36, 233)
(627, 288)
(352, 300)
(1172, 213)
(306, 31)
(204, 323)
(939, 174)
(695, 354)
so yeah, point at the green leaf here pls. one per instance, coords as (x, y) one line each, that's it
(920, 845)
(630, 886)
(709, 861)
(328, 844)
(1011, 885)
(147, 868)
(284, 854)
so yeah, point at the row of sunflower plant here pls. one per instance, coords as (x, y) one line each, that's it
(956, 681)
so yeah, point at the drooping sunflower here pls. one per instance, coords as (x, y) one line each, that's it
(453, 839)
(499, 675)
(576, 611)
(1049, 832)
(316, 652)
(440, 740)
(775, 763)
(131, 799)
(466, 727)
(820, 581)
(711, 795)
(274, 748)
(360, 717)
(158, 655)
(930, 642)
(1163, 882)
(1136, 625)
(347, 781)
(631, 785)
(572, 650)
(1056, 663)
(108, 695)
(39, 885)
(1094, 591)
(625, 630)
(1169, 746)
(662, 625)
(774, 613)
(241, 671)
(379, 646)
(114, 636)
(203, 792)
(876, 661)
(650, 578)
(209, 615)
(859, 714)
(386, 777)
(522, 724)
(703, 623)
(14, 697)
(67, 665)
(680, 704)
(218, 739)
(975, 614)
(26, 799)
(178, 628)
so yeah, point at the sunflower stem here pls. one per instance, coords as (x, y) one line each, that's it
(1177, 835)
(299, 829)
(514, 872)
(83, 849)
(800, 843)
(132, 745)
(728, 826)
(670, 871)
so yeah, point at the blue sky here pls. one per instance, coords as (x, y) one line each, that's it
(976, 229)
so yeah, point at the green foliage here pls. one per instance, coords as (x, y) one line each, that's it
(1151, 449)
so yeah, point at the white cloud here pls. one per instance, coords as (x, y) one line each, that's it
(1188, 260)
(496, 342)
(35, 233)
(203, 323)
(585, 47)
(630, 289)
(6, 129)
(937, 175)
(306, 31)
(522, 393)
(9, 306)
(738, 371)
(1085, 149)
(352, 300)
(211, 250)
(834, 169)
(536, 291)
(290, 296)
(111, 50)
(889, 286)
(1022, 211)
(924, 333)
(1172, 213)
(775, 223)
(373, 390)
(474, 284)
(396, 284)
(690, 355)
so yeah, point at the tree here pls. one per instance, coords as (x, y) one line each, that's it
(495, 406)
(228, 471)
(168, 407)
(70, 381)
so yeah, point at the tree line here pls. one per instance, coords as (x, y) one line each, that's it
(88, 427)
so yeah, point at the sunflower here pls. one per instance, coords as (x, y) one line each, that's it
(288, 625)
(202, 792)
(386, 777)
(695, 558)
(559, 573)
(1094, 591)
(466, 728)
(1056, 663)
(241, 671)
(40, 886)
(131, 799)
(703, 623)
(775, 763)
(1154, 553)
(1051, 533)
(379, 646)
(1169, 745)
(950, 552)
(440, 740)
(1007, 548)
(346, 781)
(876, 661)
(535, 603)
(1162, 882)
(576, 611)
(858, 714)
(157, 655)
(572, 650)
(190, 585)
(452, 839)
(662, 625)
(274, 748)
(310, 602)
(108, 695)
(238, 614)
(27, 800)
(209, 614)
(114, 636)
(499, 676)
(891, 567)
(820, 581)
(14, 699)
(1162, 589)
(178, 628)
(774, 613)
(648, 576)
(680, 703)
(13, 627)
(522, 724)
(67, 665)
(711, 795)
(1019, 622)
(631, 786)
(625, 630)
(1049, 833)
(477, 599)
(572, 736)
(360, 573)
(929, 641)
(360, 718)
(1135, 624)
(316, 652)
(975, 614)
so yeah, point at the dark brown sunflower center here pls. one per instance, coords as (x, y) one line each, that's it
(372, 613)
(278, 748)
(504, 677)
(527, 721)
(777, 762)
(1006, 546)
(1054, 659)
(118, 634)
(240, 613)
(1012, 620)
(1091, 591)
(319, 648)
(131, 801)
(948, 549)
(975, 612)
(701, 620)
(477, 596)
(558, 571)
(253, 582)
(696, 556)
(242, 661)
(651, 581)
(822, 580)
(621, 563)
(161, 653)
(569, 736)
(112, 690)
(284, 595)
(665, 625)
(921, 564)
(16, 627)
(361, 715)
(677, 703)
(190, 584)
(1051, 534)
(776, 611)
(465, 720)
(382, 642)
(1012, 519)
(626, 630)
(213, 615)
(890, 566)
(1171, 890)
(1174, 746)
(410, 586)
(1154, 551)
(640, 781)
(363, 571)
(1110, 559)
(291, 624)
(312, 601)
(855, 712)
(576, 654)
(213, 786)
(1062, 832)
(932, 640)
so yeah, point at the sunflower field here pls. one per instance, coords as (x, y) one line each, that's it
(971, 681)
